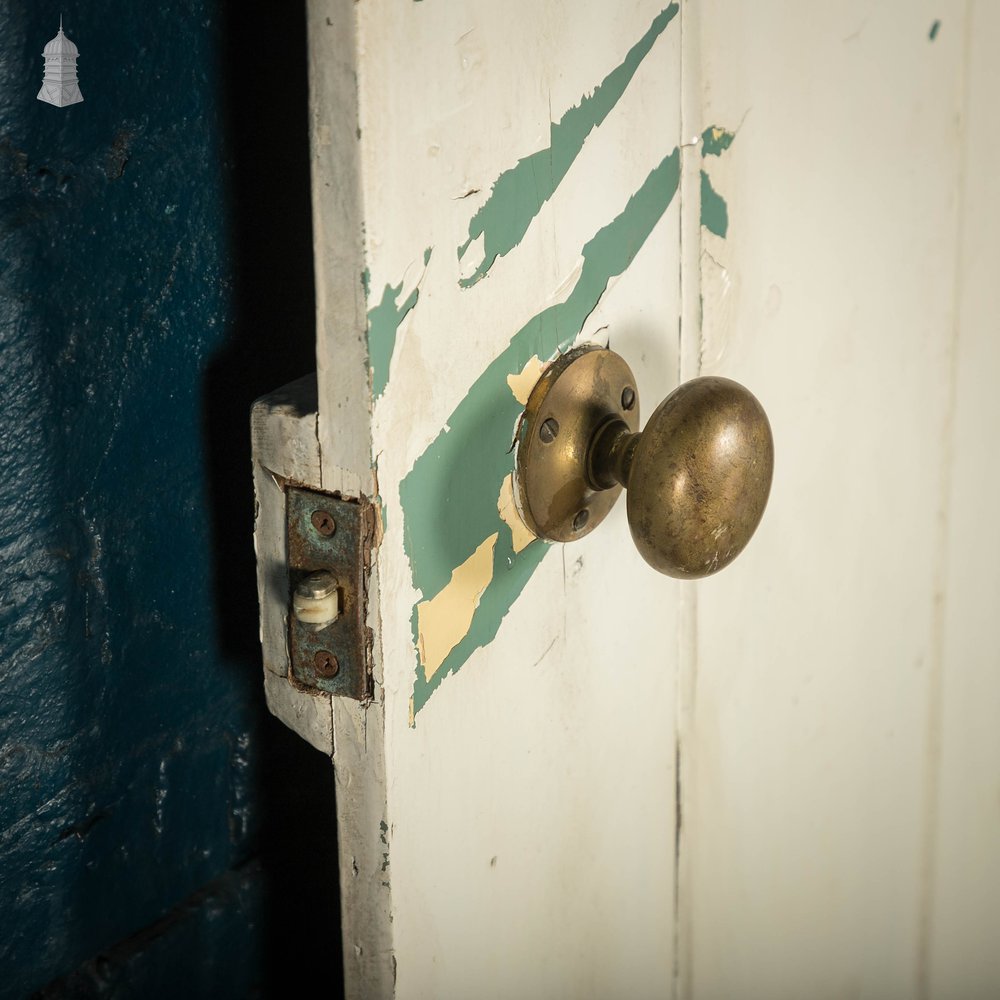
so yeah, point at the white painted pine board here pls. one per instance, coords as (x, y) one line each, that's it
(345, 447)
(338, 252)
(805, 779)
(964, 898)
(531, 806)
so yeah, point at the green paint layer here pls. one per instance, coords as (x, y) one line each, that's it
(383, 323)
(519, 193)
(715, 141)
(449, 497)
(714, 214)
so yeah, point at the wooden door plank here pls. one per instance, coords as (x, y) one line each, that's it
(831, 296)
(518, 168)
(963, 901)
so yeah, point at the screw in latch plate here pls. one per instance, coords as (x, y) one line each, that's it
(628, 397)
(581, 519)
(323, 522)
(325, 664)
(548, 431)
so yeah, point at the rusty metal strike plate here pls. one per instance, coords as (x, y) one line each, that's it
(327, 532)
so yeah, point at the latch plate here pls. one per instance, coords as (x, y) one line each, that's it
(335, 658)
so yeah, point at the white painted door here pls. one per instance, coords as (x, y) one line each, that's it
(577, 778)
(841, 752)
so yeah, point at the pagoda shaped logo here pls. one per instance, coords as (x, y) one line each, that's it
(59, 85)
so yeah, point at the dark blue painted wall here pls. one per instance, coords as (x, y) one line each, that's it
(155, 276)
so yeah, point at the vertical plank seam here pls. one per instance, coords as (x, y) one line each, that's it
(688, 364)
(935, 680)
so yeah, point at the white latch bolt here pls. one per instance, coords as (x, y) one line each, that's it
(316, 600)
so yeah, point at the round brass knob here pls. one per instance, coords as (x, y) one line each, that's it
(698, 476)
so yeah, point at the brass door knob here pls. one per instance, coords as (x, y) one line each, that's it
(698, 477)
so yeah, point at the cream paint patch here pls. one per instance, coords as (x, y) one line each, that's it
(524, 381)
(511, 516)
(444, 620)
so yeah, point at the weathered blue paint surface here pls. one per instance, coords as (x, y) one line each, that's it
(138, 307)
(213, 927)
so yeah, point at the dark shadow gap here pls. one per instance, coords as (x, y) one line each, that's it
(264, 85)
